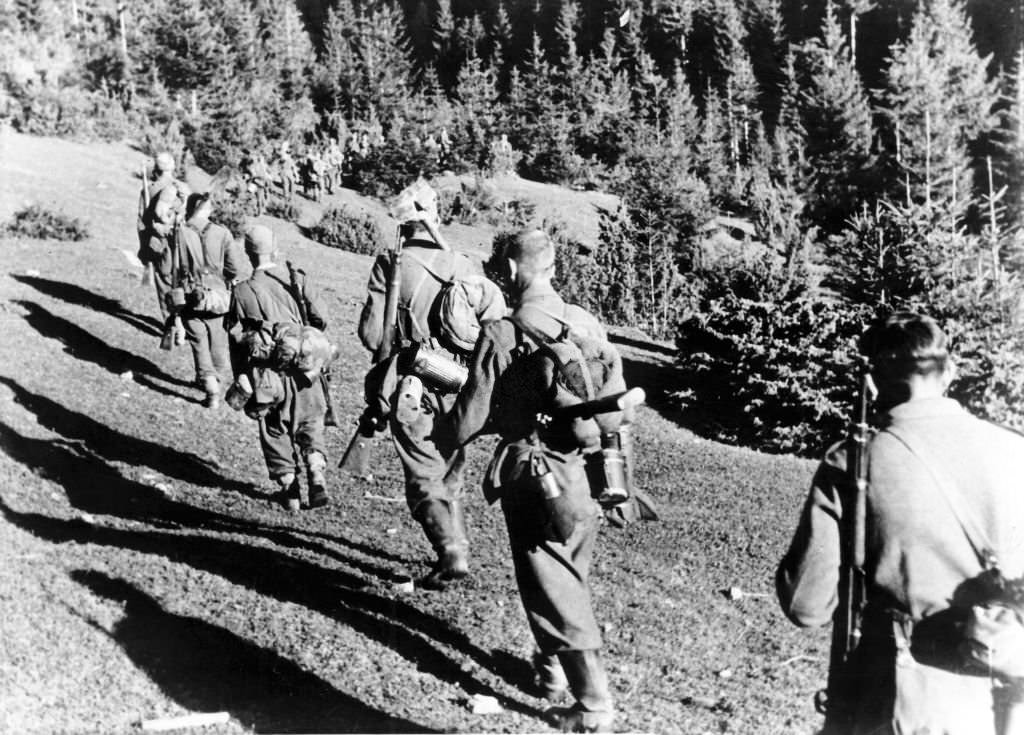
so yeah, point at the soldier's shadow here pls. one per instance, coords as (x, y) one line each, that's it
(73, 294)
(82, 345)
(205, 668)
(95, 487)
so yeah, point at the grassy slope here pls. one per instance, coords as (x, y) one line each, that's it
(145, 573)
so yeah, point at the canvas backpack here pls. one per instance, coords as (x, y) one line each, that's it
(460, 306)
(205, 289)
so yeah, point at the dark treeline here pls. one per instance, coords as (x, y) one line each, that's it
(871, 152)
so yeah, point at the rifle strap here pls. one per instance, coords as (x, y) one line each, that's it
(972, 529)
(543, 340)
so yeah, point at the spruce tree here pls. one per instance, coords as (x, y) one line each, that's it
(938, 94)
(1011, 143)
(837, 129)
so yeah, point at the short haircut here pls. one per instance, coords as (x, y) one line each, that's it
(193, 203)
(904, 344)
(532, 251)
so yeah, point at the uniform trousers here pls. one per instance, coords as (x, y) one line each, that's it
(552, 576)
(293, 427)
(428, 475)
(209, 342)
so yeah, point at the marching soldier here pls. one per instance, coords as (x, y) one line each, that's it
(288, 172)
(433, 480)
(206, 256)
(551, 568)
(293, 427)
(941, 504)
(160, 204)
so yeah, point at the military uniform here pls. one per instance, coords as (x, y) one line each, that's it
(155, 225)
(202, 244)
(552, 575)
(919, 564)
(293, 427)
(433, 480)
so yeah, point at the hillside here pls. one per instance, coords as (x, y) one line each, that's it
(147, 575)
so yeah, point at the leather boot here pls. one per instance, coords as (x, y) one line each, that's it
(593, 710)
(290, 496)
(551, 680)
(452, 559)
(211, 386)
(316, 465)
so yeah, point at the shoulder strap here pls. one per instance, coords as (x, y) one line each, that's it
(543, 340)
(288, 290)
(976, 536)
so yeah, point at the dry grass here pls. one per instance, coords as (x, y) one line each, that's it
(145, 573)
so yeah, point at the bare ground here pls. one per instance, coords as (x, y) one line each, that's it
(144, 572)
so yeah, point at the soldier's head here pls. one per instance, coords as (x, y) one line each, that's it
(908, 356)
(531, 259)
(260, 245)
(198, 207)
(163, 163)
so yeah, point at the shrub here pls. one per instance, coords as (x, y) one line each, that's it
(283, 209)
(348, 229)
(388, 169)
(39, 223)
(777, 375)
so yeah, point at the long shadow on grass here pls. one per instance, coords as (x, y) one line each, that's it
(95, 487)
(73, 294)
(660, 379)
(105, 443)
(205, 668)
(117, 446)
(85, 346)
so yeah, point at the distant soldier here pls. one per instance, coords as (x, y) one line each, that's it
(313, 175)
(538, 474)
(160, 207)
(206, 260)
(288, 172)
(334, 159)
(292, 421)
(939, 528)
(429, 268)
(445, 145)
(258, 178)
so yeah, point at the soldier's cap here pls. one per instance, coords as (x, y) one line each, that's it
(259, 240)
(164, 161)
(193, 203)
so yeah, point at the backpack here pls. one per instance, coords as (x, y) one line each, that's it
(205, 289)
(461, 305)
(559, 372)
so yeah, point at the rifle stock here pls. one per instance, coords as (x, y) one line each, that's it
(360, 448)
(846, 637)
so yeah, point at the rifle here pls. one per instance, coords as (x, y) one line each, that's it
(148, 276)
(357, 455)
(849, 617)
(331, 416)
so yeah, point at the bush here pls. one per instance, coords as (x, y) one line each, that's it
(777, 375)
(348, 229)
(283, 209)
(41, 224)
(389, 168)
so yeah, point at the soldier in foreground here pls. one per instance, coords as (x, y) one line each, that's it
(429, 269)
(160, 207)
(206, 263)
(935, 521)
(292, 423)
(538, 473)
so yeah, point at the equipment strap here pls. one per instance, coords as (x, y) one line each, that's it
(972, 529)
(542, 339)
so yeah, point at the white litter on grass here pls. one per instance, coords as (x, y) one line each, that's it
(391, 531)
(407, 587)
(87, 519)
(198, 719)
(385, 498)
(126, 395)
(132, 258)
(737, 593)
(482, 704)
(725, 674)
(126, 375)
(32, 273)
